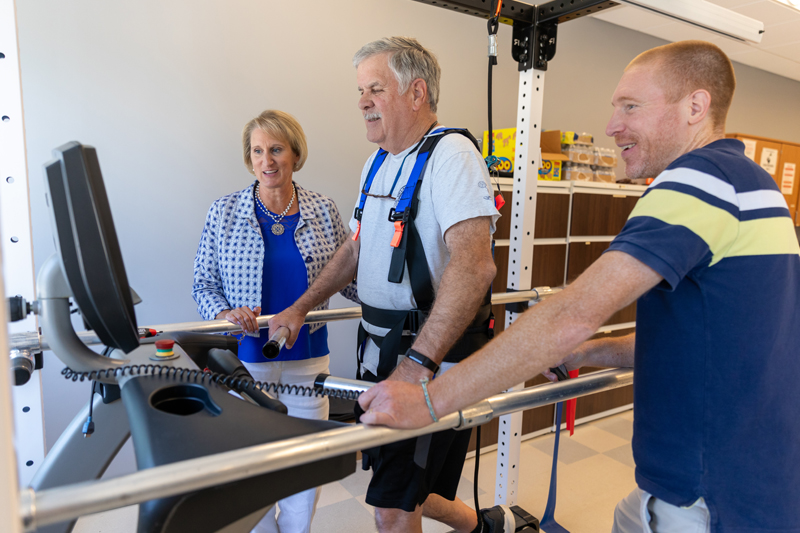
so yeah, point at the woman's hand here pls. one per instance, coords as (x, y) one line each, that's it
(243, 317)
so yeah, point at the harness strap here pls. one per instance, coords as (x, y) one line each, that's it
(391, 344)
(373, 169)
(412, 252)
(410, 322)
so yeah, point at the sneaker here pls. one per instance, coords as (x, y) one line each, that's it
(498, 519)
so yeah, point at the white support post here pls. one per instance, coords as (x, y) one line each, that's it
(520, 258)
(17, 243)
(9, 485)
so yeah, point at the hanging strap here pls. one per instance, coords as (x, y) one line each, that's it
(548, 522)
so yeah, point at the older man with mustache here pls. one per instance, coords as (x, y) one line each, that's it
(422, 227)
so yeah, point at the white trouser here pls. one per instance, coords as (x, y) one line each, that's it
(641, 512)
(294, 513)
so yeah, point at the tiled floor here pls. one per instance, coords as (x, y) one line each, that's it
(595, 471)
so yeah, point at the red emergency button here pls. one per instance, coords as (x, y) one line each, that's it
(164, 348)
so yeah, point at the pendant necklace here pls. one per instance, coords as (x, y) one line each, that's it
(277, 227)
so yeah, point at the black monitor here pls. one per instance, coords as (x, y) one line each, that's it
(86, 240)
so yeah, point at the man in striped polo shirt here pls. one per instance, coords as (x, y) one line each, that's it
(711, 255)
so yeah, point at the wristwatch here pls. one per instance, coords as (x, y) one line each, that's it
(422, 360)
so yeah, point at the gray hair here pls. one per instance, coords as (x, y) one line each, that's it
(408, 61)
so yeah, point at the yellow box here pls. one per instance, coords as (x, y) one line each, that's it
(550, 170)
(504, 141)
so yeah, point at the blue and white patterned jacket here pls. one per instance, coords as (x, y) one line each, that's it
(230, 258)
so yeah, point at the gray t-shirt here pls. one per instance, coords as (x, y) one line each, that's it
(455, 187)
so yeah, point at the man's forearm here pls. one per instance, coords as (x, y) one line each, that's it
(613, 352)
(461, 292)
(465, 280)
(335, 276)
(548, 333)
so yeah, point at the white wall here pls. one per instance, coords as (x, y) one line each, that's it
(162, 89)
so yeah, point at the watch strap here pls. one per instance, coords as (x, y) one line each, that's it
(422, 360)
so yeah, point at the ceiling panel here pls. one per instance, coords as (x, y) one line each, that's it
(734, 3)
(769, 12)
(778, 34)
(779, 51)
(787, 51)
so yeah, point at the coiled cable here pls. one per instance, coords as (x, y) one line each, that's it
(194, 375)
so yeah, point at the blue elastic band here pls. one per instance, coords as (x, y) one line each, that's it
(548, 522)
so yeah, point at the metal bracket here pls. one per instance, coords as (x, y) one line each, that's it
(544, 38)
(533, 45)
(522, 44)
(475, 415)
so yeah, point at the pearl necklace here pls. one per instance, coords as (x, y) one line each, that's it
(277, 227)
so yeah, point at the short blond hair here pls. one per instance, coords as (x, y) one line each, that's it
(282, 126)
(687, 66)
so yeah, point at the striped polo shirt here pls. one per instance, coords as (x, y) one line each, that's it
(717, 363)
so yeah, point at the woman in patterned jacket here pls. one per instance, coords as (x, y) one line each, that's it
(260, 249)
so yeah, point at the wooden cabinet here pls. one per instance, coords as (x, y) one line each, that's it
(600, 214)
(575, 224)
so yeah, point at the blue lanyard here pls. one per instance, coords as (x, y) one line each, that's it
(401, 169)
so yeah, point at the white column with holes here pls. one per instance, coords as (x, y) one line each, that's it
(520, 258)
(17, 244)
(9, 489)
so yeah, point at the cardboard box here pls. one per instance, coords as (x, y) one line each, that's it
(573, 137)
(552, 166)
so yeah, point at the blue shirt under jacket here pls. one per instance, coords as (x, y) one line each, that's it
(283, 281)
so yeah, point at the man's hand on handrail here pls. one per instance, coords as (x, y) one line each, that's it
(396, 404)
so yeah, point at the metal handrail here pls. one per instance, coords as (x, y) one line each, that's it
(69, 502)
(35, 341)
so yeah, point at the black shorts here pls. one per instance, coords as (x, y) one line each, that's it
(404, 473)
